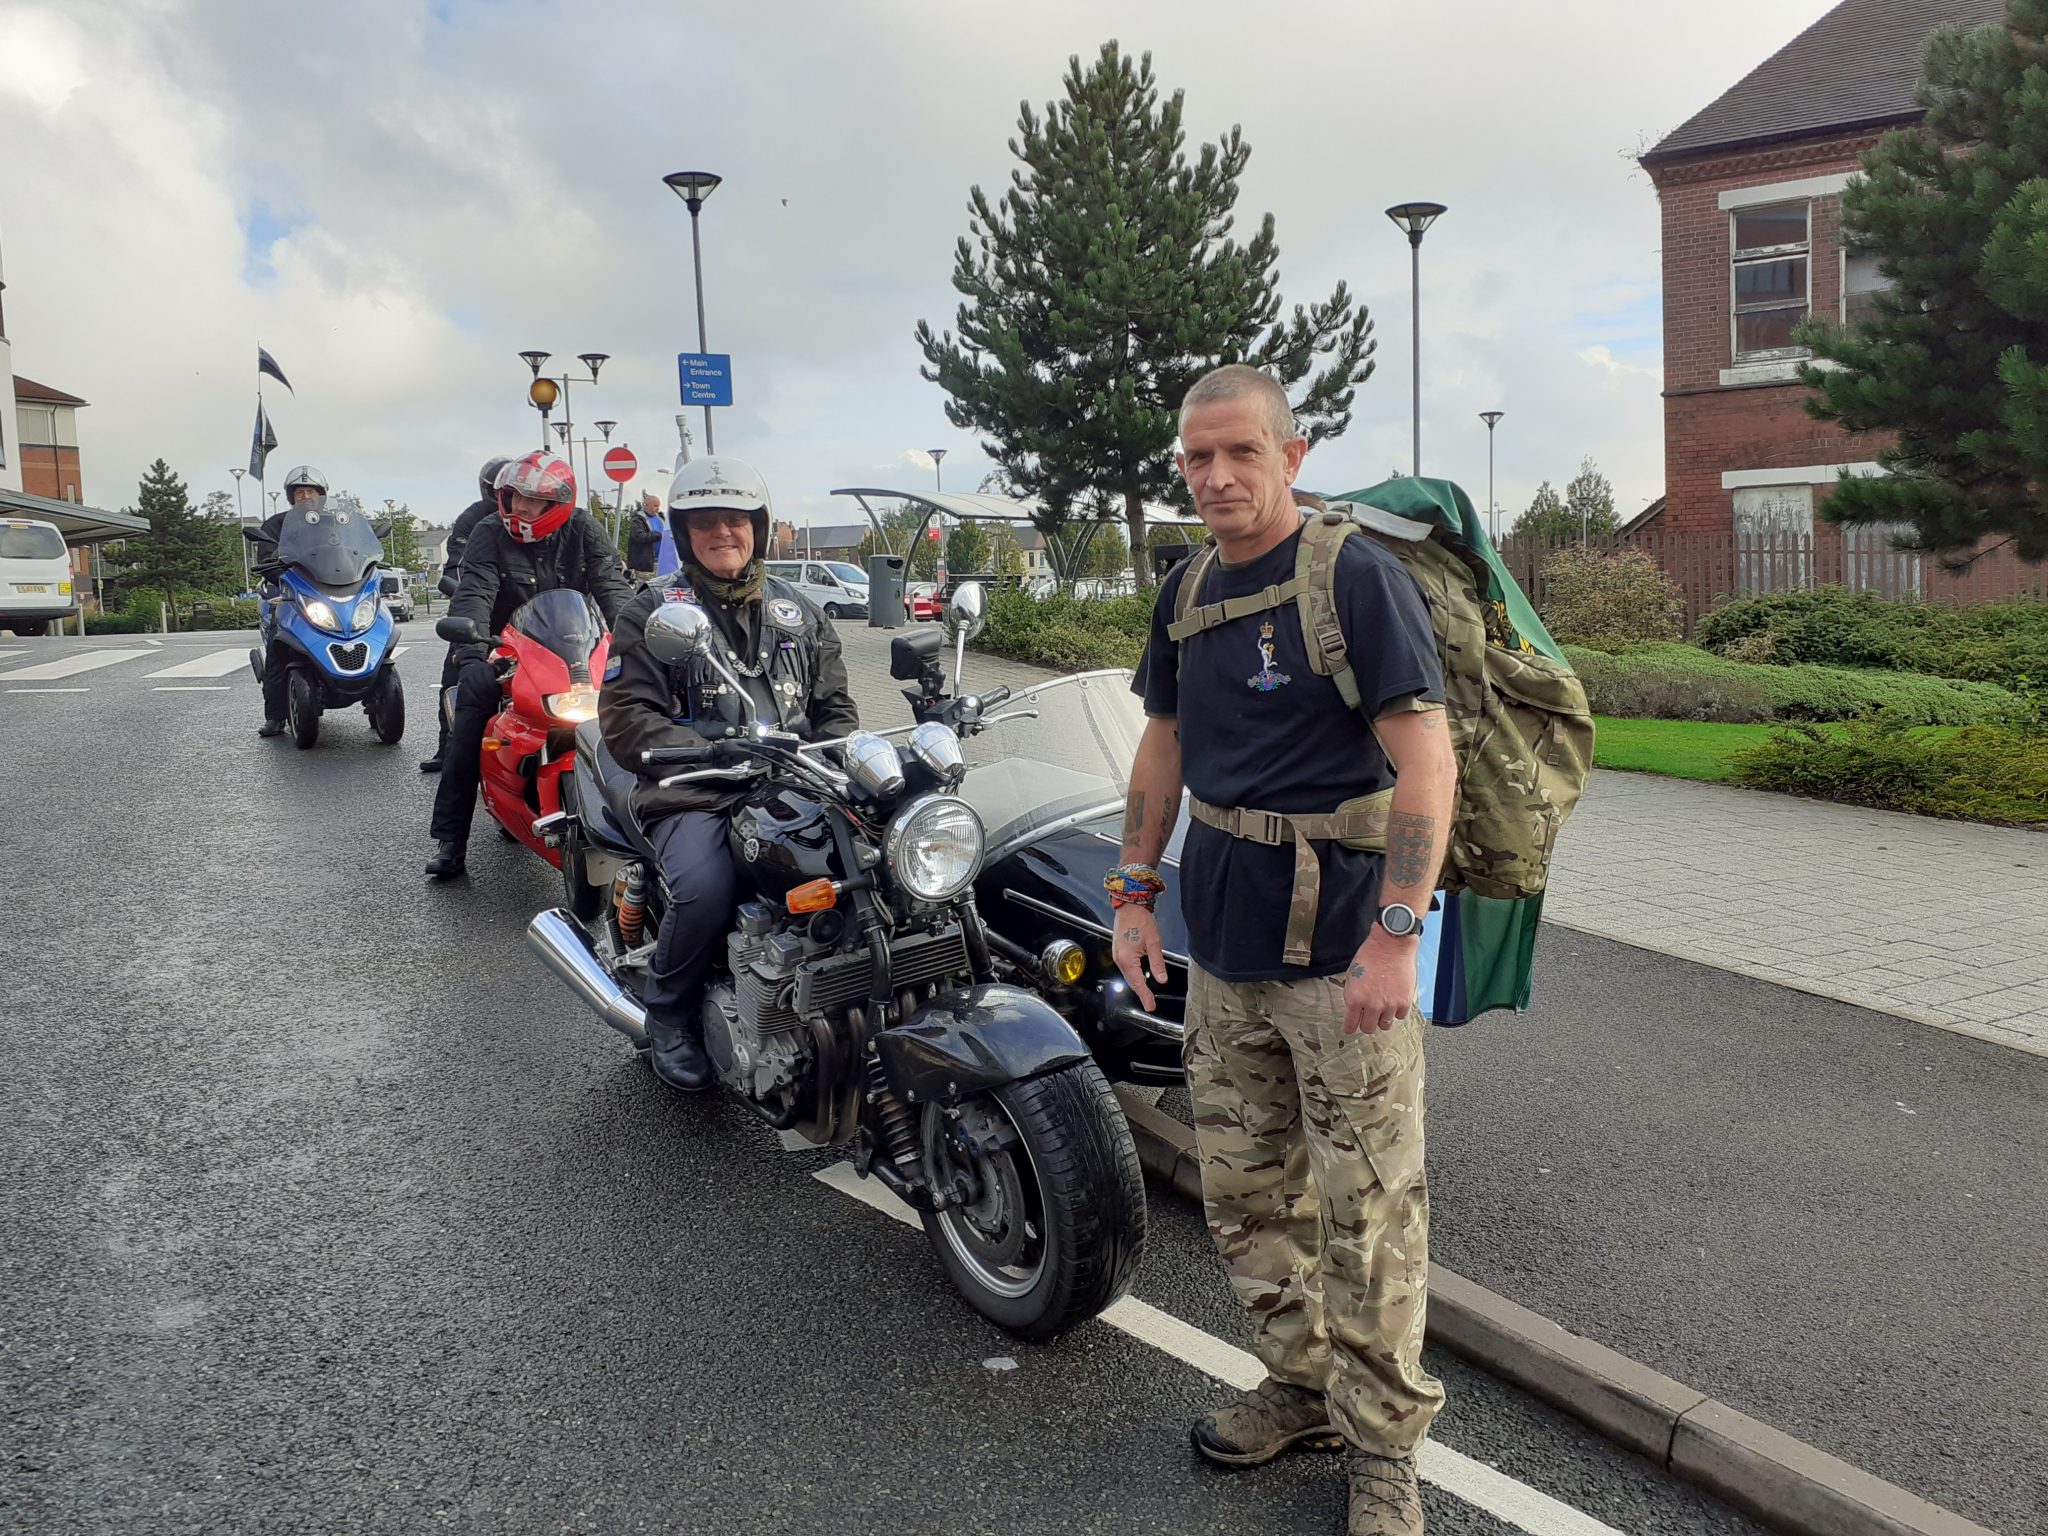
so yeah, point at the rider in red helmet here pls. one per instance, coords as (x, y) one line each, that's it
(540, 540)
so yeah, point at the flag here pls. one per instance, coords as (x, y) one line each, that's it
(265, 363)
(262, 441)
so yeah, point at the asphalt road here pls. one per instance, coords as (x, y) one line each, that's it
(324, 1209)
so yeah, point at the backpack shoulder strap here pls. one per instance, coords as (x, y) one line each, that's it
(1191, 618)
(1315, 587)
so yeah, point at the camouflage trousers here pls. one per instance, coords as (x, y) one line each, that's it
(1313, 1184)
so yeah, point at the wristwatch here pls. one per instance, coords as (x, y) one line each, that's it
(1400, 920)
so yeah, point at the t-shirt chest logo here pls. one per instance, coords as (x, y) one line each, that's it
(1268, 677)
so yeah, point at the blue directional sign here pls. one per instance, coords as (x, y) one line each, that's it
(706, 377)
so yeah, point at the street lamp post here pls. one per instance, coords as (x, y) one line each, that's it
(693, 187)
(1415, 219)
(241, 522)
(549, 388)
(1492, 419)
(938, 467)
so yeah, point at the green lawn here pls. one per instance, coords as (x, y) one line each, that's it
(1685, 749)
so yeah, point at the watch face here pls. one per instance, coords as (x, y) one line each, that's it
(1399, 920)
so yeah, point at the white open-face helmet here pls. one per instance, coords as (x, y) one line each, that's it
(303, 474)
(715, 482)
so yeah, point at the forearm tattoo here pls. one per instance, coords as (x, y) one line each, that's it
(1410, 841)
(1134, 821)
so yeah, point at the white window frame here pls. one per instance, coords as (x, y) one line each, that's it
(1738, 257)
(1842, 282)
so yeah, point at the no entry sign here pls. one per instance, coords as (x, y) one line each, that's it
(620, 464)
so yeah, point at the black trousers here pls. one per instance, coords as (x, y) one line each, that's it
(277, 673)
(477, 696)
(451, 667)
(703, 888)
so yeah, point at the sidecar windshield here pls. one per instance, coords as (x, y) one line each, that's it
(330, 539)
(1071, 764)
(564, 620)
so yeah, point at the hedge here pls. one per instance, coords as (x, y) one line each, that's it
(1992, 642)
(1669, 681)
(1068, 634)
(1979, 773)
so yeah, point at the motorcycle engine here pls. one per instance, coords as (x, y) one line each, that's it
(752, 1031)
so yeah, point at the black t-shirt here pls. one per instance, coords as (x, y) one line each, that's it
(1260, 729)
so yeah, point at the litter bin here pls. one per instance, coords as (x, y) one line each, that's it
(885, 591)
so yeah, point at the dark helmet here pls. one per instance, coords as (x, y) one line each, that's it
(487, 477)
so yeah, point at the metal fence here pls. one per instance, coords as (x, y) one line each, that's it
(1714, 568)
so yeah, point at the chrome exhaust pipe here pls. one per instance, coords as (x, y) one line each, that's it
(555, 937)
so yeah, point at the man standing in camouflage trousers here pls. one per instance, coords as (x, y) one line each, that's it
(1316, 835)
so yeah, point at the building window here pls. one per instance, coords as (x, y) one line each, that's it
(1773, 538)
(1861, 284)
(1771, 282)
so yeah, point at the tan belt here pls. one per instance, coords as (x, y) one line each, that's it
(1360, 823)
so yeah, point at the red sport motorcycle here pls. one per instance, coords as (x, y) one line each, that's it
(549, 658)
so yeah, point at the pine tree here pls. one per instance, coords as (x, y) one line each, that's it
(1104, 283)
(183, 551)
(1953, 360)
(1545, 519)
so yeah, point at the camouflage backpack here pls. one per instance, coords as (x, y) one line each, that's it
(1518, 718)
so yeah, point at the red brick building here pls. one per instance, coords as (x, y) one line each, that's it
(1751, 192)
(46, 439)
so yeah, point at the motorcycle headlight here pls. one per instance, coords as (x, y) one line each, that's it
(873, 763)
(935, 846)
(366, 612)
(578, 704)
(319, 615)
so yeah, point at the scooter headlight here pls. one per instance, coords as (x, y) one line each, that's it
(935, 846)
(578, 704)
(366, 612)
(319, 614)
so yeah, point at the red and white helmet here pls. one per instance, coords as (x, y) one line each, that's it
(545, 477)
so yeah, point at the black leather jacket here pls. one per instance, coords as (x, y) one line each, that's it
(645, 704)
(499, 572)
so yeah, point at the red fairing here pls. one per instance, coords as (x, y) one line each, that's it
(528, 747)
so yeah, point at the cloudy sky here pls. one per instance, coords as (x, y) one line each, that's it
(397, 196)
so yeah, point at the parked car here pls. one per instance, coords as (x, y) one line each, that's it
(923, 601)
(838, 588)
(35, 576)
(397, 596)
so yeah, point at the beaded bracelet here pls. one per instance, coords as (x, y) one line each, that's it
(1133, 885)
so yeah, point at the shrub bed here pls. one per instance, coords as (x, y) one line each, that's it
(1979, 773)
(112, 624)
(1609, 601)
(1067, 634)
(1992, 643)
(1669, 681)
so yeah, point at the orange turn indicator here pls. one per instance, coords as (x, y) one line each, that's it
(814, 896)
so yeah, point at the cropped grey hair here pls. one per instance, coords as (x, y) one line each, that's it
(1241, 381)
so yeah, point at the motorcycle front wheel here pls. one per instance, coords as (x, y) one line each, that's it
(1046, 1225)
(302, 710)
(386, 707)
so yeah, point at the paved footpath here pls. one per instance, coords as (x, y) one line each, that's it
(1945, 922)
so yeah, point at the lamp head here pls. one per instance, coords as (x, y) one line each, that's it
(593, 361)
(1415, 218)
(1490, 417)
(606, 428)
(534, 360)
(543, 393)
(693, 186)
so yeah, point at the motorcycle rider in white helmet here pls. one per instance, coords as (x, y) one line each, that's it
(302, 483)
(783, 649)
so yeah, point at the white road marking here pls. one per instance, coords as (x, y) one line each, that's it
(1456, 1473)
(191, 688)
(398, 651)
(157, 643)
(49, 690)
(67, 666)
(213, 664)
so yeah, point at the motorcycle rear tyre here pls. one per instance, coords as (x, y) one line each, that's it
(302, 710)
(1090, 1201)
(386, 708)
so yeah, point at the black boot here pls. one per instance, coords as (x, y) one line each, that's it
(450, 860)
(676, 1053)
(431, 764)
(270, 728)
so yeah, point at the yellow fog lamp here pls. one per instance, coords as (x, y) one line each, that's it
(1063, 962)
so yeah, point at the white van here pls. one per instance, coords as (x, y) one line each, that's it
(35, 576)
(838, 588)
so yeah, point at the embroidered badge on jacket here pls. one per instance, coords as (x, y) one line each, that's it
(1268, 677)
(679, 595)
(786, 612)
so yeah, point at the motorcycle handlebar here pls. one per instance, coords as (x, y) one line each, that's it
(675, 757)
(995, 698)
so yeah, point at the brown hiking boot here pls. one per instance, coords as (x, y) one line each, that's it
(1385, 1500)
(1267, 1420)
